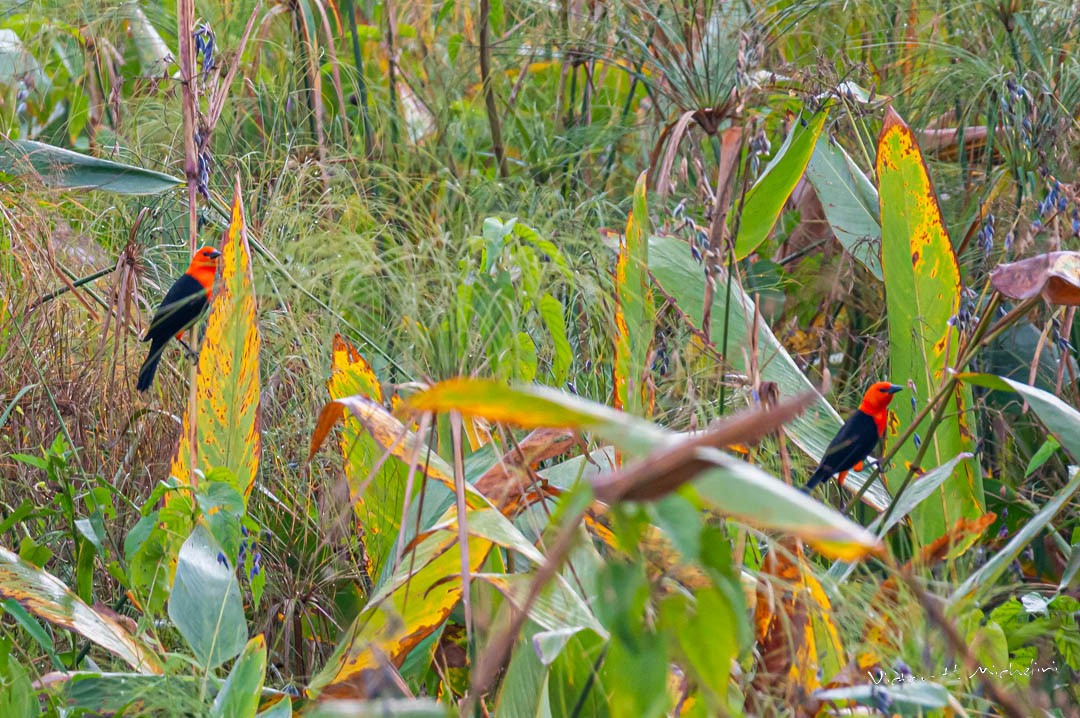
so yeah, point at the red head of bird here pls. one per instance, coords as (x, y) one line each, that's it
(876, 402)
(203, 267)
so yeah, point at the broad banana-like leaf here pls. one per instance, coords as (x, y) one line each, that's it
(376, 487)
(58, 167)
(922, 289)
(1062, 420)
(849, 200)
(683, 280)
(239, 697)
(226, 418)
(726, 484)
(45, 596)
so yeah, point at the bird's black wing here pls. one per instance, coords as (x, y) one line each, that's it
(181, 307)
(853, 443)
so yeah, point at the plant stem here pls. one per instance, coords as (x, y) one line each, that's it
(489, 93)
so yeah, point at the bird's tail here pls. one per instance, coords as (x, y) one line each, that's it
(818, 478)
(149, 367)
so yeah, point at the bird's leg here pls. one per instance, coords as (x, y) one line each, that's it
(193, 355)
(840, 478)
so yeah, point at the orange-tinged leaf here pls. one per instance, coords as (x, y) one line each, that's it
(391, 435)
(634, 312)
(532, 407)
(350, 373)
(792, 610)
(227, 431)
(922, 287)
(45, 596)
(376, 487)
(410, 607)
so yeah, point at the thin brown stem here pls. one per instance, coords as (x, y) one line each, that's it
(489, 92)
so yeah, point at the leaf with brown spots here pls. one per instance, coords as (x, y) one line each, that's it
(227, 431)
(45, 596)
(1056, 276)
(922, 288)
(411, 606)
(793, 624)
(376, 487)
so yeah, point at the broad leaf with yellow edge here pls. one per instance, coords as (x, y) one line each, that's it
(45, 596)
(411, 606)
(227, 430)
(725, 483)
(390, 434)
(376, 487)
(634, 312)
(532, 406)
(922, 287)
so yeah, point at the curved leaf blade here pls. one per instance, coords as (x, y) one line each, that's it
(849, 200)
(922, 287)
(634, 312)
(46, 597)
(683, 280)
(748, 494)
(205, 603)
(1062, 420)
(532, 407)
(765, 200)
(65, 169)
(227, 431)
(239, 696)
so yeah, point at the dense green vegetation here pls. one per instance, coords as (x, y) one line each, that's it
(606, 277)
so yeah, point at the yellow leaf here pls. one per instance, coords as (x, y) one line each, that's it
(410, 607)
(227, 430)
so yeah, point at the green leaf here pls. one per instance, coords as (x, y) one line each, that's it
(205, 604)
(1062, 420)
(1040, 457)
(684, 281)
(986, 574)
(111, 693)
(17, 697)
(922, 288)
(525, 352)
(1071, 568)
(524, 687)
(239, 697)
(849, 200)
(745, 492)
(532, 406)
(767, 197)
(905, 698)
(551, 310)
(65, 169)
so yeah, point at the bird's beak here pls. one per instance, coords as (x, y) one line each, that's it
(893, 388)
(214, 254)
